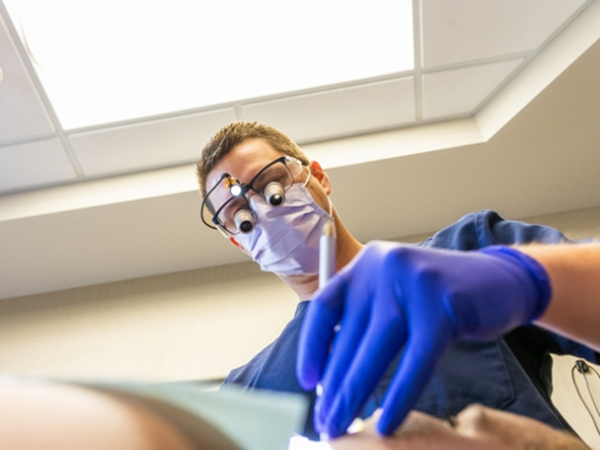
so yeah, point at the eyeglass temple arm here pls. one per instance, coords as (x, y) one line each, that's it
(224, 175)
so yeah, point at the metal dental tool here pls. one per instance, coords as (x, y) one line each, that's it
(326, 254)
(326, 270)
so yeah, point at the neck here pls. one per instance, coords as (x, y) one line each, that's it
(347, 247)
(303, 285)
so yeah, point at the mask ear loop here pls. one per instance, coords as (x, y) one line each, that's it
(328, 198)
(307, 178)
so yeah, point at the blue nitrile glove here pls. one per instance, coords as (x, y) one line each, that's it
(393, 296)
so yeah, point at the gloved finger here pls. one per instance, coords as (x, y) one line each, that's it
(381, 344)
(318, 331)
(414, 372)
(347, 340)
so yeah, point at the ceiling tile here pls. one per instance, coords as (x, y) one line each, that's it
(462, 30)
(339, 112)
(22, 114)
(460, 91)
(149, 144)
(34, 164)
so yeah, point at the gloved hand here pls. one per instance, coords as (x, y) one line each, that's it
(393, 297)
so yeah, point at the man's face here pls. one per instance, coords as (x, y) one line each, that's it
(247, 159)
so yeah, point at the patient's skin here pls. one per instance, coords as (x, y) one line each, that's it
(476, 427)
(55, 416)
(66, 417)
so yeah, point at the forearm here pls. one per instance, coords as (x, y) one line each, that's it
(475, 428)
(574, 271)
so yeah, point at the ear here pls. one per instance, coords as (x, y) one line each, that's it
(319, 174)
(238, 245)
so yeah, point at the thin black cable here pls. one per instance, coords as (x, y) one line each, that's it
(589, 391)
(581, 398)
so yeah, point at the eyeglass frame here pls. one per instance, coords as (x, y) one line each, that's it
(245, 188)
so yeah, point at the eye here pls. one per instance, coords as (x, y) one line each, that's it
(228, 214)
(278, 173)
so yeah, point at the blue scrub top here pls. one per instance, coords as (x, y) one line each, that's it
(511, 373)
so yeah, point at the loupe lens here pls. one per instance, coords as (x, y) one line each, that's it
(244, 221)
(274, 193)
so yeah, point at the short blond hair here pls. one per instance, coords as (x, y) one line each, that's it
(230, 136)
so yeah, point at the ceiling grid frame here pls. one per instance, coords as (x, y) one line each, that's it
(481, 61)
(27, 140)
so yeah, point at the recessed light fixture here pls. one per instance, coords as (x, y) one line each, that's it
(108, 60)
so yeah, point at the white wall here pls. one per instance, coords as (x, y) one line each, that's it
(188, 325)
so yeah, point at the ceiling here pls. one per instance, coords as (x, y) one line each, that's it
(501, 110)
(465, 53)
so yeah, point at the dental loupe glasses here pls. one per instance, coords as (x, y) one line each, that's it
(235, 215)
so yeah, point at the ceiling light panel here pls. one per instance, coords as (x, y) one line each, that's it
(332, 113)
(460, 91)
(34, 164)
(22, 114)
(464, 30)
(104, 61)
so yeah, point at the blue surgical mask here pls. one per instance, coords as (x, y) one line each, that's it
(285, 239)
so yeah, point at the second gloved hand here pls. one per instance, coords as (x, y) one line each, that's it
(394, 297)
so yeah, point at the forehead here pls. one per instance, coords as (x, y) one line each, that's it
(244, 161)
